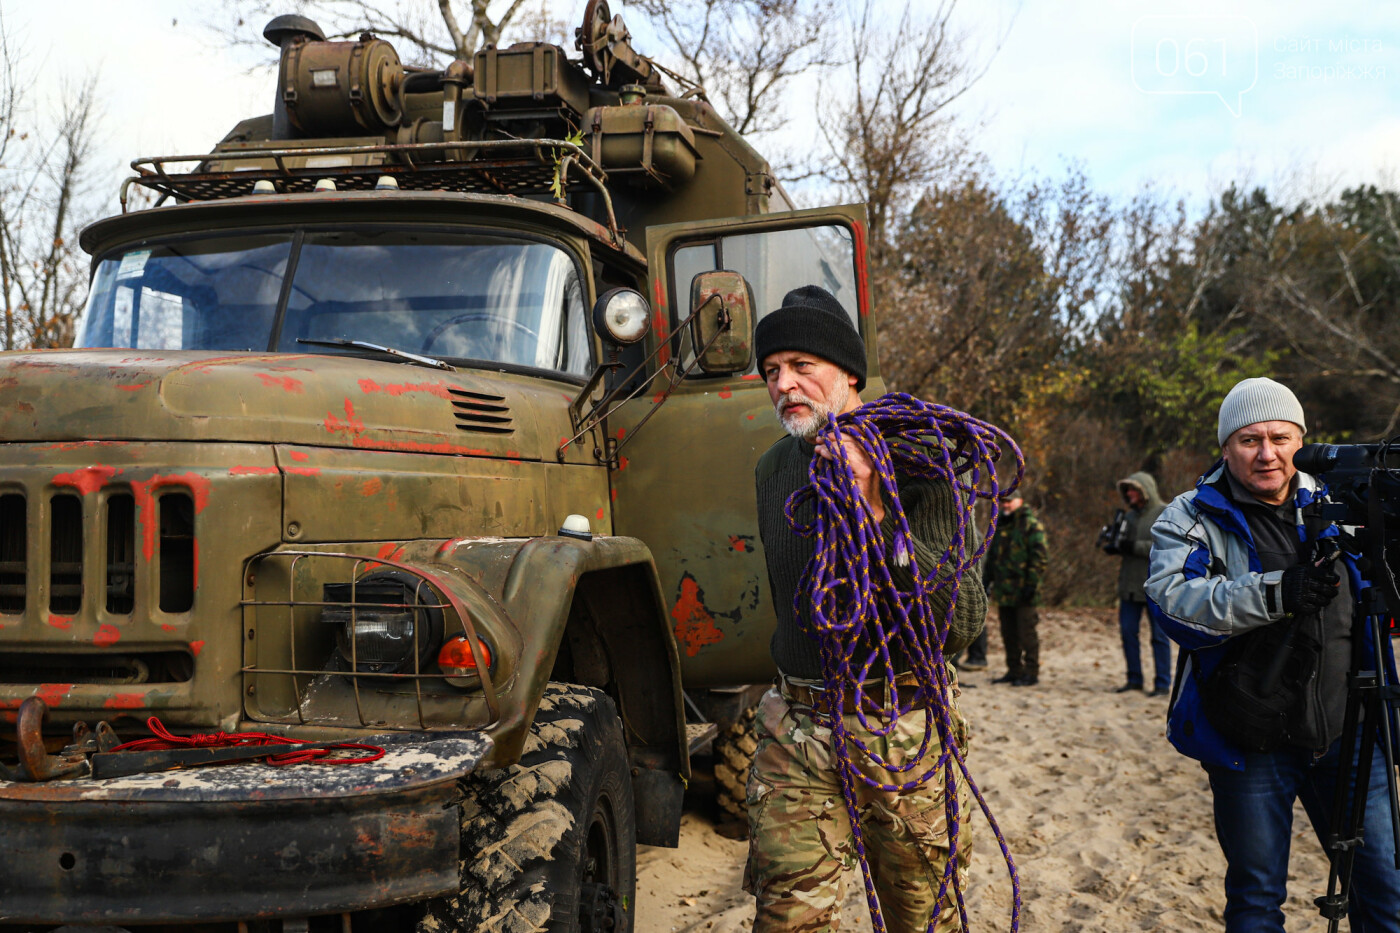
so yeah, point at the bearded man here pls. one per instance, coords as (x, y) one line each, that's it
(801, 849)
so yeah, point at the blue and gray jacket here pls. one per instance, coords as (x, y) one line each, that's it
(1205, 586)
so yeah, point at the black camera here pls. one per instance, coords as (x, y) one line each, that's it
(1113, 537)
(1362, 485)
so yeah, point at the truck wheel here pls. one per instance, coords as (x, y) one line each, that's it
(549, 844)
(734, 748)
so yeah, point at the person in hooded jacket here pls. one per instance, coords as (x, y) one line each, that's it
(1242, 577)
(1139, 493)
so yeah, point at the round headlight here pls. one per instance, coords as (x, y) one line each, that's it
(386, 623)
(621, 315)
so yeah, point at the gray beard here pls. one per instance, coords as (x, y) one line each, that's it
(807, 426)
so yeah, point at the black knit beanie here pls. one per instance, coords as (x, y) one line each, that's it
(811, 320)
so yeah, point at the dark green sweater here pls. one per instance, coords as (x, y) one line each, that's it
(929, 508)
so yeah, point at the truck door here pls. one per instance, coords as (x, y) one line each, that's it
(686, 485)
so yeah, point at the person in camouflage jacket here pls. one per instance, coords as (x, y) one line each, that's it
(1014, 569)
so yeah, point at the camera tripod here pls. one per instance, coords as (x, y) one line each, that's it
(1372, 701)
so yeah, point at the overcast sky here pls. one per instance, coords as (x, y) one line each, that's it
(1302, 96)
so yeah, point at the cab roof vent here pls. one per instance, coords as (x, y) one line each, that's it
(481, 413)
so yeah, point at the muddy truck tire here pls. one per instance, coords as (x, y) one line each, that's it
(734, 748)
(549, 844)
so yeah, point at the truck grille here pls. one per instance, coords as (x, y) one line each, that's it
(121, 554)
(47, 667)
(65, 555)
(176, 552)
(481, 413)
(93, 542)
(13, 538)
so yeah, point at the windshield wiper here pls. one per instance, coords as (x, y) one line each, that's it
(390, 351)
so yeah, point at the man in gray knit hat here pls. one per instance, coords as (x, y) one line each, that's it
(1243, 578)
(801, 848)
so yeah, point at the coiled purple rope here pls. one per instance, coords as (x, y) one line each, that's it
(857, 613)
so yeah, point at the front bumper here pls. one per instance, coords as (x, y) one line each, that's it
(240, 841)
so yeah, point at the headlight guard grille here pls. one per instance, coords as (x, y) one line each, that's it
(291, 670)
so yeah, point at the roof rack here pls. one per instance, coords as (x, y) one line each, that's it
(493, 166)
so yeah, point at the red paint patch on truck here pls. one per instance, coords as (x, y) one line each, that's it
(285, 383)
(144, 494)
(88, 479)
(81, 445)
(351, 427)
(695, 626)
(418, 447)
(53, 694)
(107, 635)
(397, 389)
(390, 551)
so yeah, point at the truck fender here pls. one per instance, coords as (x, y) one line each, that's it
(595, 616)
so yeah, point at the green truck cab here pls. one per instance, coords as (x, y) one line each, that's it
(420, 413)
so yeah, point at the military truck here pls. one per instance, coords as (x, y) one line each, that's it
(421, 414)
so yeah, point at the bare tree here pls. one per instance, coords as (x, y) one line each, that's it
(745, 53)
(887, 117)
(10, 139)
(42, 182)
(1333, 291)
(429, 31)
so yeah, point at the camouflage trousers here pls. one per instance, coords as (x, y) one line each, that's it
(801, 851)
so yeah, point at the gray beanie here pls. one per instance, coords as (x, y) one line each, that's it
(1254, 400)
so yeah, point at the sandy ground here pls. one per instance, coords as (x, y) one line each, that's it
(1109, 827)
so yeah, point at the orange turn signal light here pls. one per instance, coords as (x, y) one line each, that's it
(455, 658)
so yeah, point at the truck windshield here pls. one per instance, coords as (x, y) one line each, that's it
(453, 296)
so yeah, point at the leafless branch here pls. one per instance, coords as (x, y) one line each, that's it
(745, 53)
(42, 188)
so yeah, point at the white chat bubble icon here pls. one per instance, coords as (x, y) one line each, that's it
(1196, 55)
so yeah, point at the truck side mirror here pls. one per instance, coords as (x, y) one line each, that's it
(721, 321)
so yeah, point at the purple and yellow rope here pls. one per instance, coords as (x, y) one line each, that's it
(857, 614)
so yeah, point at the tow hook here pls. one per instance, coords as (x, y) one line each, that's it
(36, 764)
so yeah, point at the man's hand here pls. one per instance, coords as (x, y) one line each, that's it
(1306, 588)
(864, 472)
